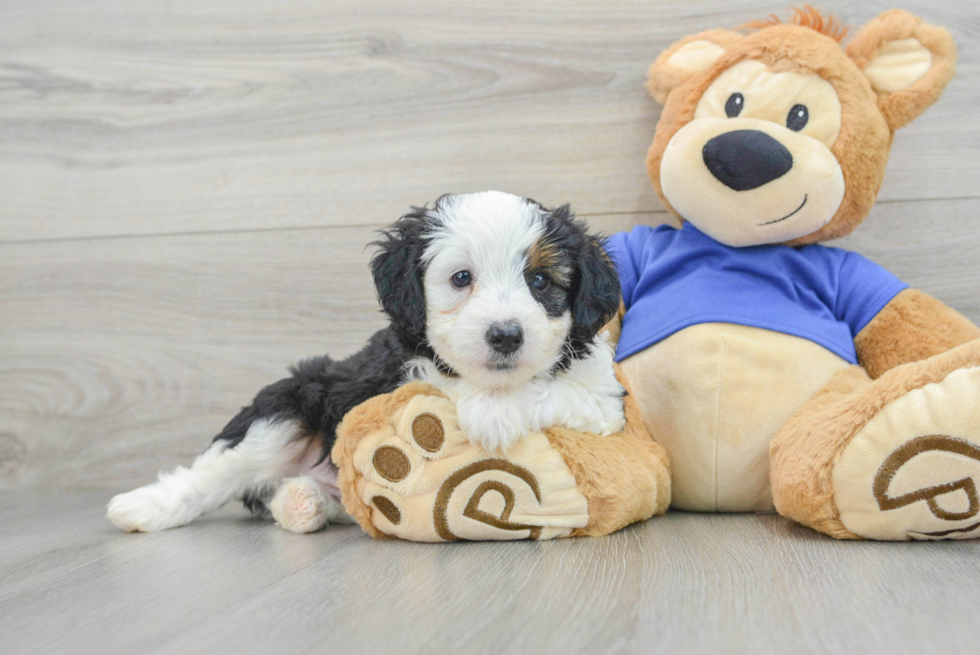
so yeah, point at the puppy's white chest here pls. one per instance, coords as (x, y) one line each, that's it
(586, 396)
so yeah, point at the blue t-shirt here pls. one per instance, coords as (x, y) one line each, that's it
(673, 279)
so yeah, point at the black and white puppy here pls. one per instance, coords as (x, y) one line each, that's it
(493, 299)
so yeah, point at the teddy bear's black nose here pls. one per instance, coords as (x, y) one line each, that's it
(746, 159)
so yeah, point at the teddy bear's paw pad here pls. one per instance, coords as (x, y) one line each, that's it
(424, 481)
(913, 471)
(428, 433)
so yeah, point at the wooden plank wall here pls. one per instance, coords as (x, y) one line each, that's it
(187, 187)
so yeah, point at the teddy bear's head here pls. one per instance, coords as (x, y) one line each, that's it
(782, 135)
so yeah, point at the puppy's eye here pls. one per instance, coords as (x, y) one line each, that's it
(539, 282)
(462, 279)
(798, 117)
(734, 105)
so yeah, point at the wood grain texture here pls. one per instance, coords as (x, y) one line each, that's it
(122, 356)
(202, 115)
(681, 583)
(186, 192)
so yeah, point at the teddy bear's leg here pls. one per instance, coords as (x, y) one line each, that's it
(407, 470)
(418, 477)
(894, 458)
(301, 505)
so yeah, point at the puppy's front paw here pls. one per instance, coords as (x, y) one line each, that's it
(498, 427)
(493, 434)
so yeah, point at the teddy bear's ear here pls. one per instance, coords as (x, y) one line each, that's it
(686, 58)
(907, 61)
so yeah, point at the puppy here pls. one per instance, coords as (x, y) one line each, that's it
(492, 298)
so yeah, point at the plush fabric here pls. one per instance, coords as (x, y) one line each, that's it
(406, 470)
(908, 473)
(865, 137)
(625, 477)
(715, 395)
(913, 326)
(886, 449)
(805, 451)
(900, 107)
(670, 70)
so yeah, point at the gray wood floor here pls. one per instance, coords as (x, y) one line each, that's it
(683, 583)
(186, 191)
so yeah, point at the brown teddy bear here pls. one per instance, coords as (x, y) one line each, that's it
(777, 373)
(797, 377)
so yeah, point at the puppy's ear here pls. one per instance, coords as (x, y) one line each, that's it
(398, 274)
(907, 61)
(687, 58)
(596, 294)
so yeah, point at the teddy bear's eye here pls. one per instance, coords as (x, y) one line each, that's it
(734, 105)
(797, 118)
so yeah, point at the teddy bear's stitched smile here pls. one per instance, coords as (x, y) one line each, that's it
(780, 220)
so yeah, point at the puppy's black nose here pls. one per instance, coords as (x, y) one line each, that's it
(505, 338)
(746, 159)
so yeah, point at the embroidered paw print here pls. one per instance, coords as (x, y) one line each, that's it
(425, 481)
(953, 500)
(913, 471)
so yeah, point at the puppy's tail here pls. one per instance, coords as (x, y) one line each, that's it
(222, 473)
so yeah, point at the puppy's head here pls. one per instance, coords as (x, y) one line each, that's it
(495, 287)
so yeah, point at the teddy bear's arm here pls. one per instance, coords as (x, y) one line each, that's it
(910, 328)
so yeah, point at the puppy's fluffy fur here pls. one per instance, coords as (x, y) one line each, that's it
(493, 299)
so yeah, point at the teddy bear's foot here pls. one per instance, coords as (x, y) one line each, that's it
(418, 477)
(897, 458)
(301, 506)
(913, 470)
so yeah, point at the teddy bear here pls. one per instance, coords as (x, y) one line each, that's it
(781, 374)
(777, 374)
